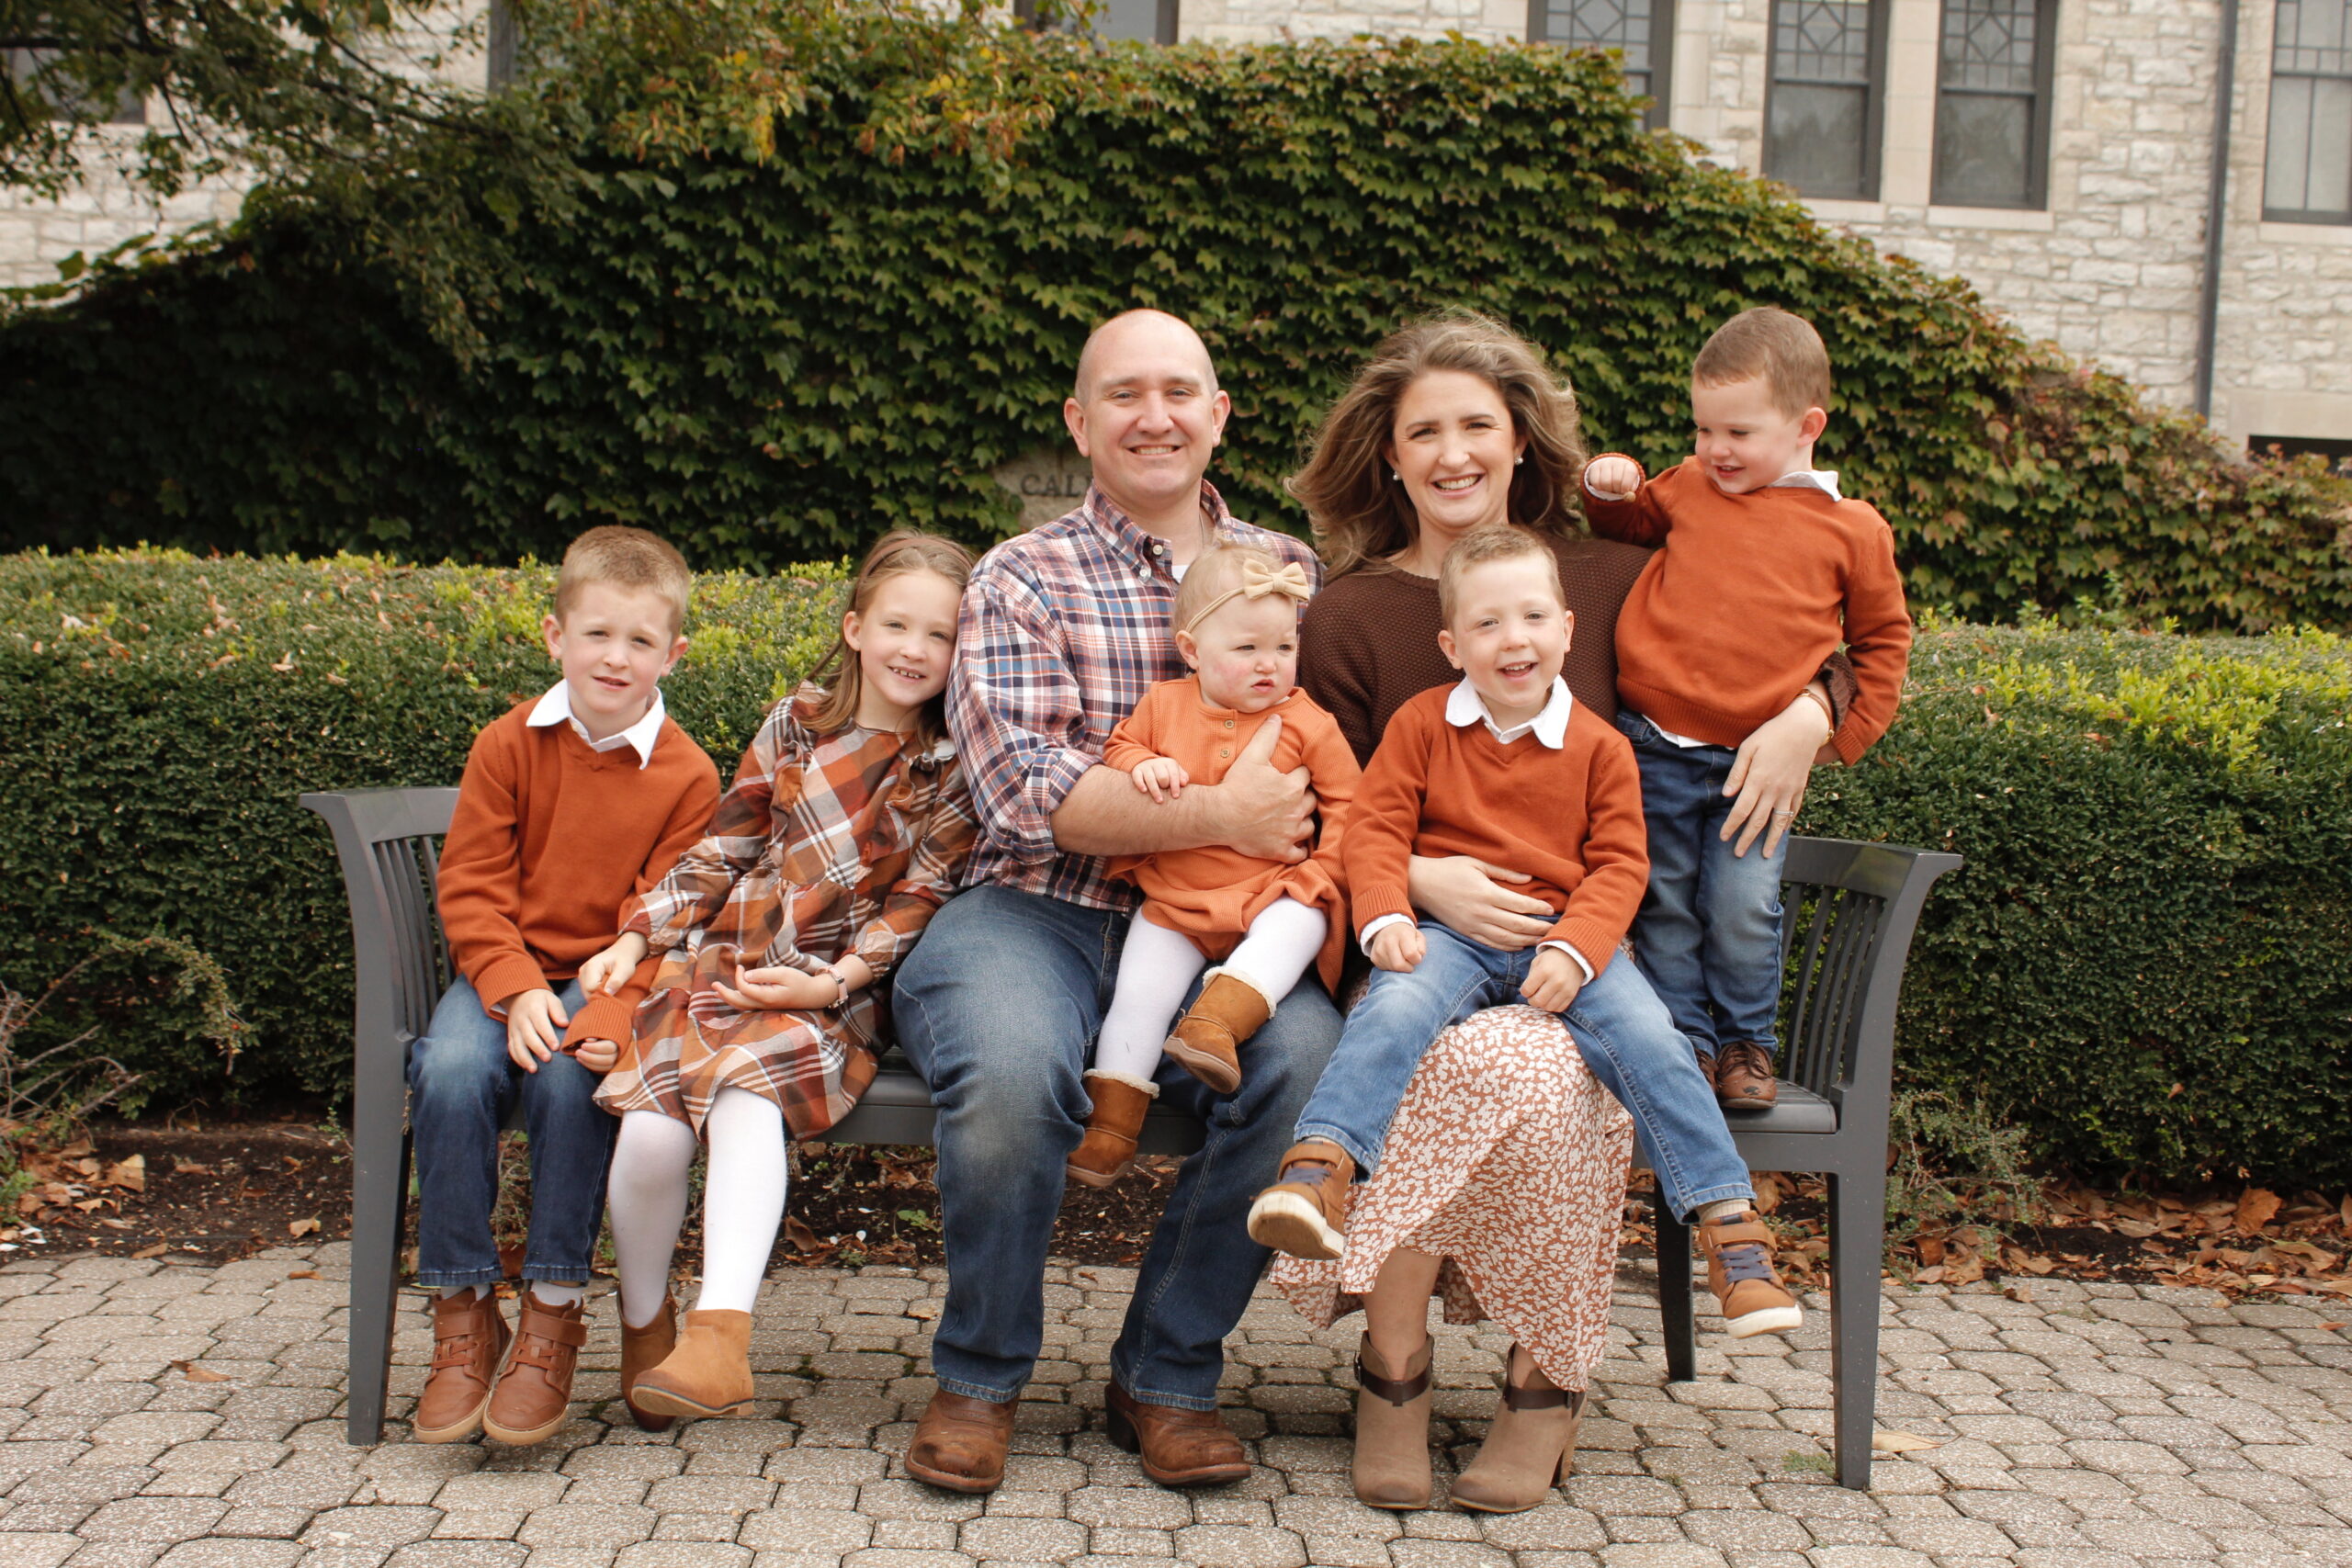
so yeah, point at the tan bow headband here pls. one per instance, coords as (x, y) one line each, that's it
(1257, 580)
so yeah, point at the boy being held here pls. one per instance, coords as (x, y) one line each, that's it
(572, 803)
(1506, 768)
(1762, 566)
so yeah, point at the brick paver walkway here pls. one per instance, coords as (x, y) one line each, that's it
(2088, 1426)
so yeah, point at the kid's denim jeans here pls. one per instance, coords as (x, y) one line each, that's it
(462, 1085)
(1709, 933)
(1619, 1026)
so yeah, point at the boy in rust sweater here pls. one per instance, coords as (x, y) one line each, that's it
(1507, 767)
(573, 802)
(1762, 569)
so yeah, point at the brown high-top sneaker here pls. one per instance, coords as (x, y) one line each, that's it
(642, 1350)
(1305, 1213)
(535, 1385)
(1109, 1147)
(468, 1338)
(1228, 1013)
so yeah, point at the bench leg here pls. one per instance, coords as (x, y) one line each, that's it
(379, 1157)
(1857, 1251)
(1673, 1294)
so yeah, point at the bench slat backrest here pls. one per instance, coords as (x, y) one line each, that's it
(389, 842)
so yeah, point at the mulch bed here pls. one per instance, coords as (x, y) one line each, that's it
(215, 1193)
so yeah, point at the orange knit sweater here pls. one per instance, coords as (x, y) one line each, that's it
(549, 841)
(1746, 597)
(1570, 819)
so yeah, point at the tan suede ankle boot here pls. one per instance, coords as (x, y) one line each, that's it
(1391, 1469)
(1109, 1147)
(642, 1350)
(708, 1374)
(1209, 1037)
(1528, 1448)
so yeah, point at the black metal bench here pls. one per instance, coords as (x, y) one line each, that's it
(1852, 910)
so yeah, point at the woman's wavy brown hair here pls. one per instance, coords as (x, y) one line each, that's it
(1359, 516)
(896, 553)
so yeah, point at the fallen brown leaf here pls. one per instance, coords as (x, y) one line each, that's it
(2334, 1327)
(196, 1373)
(301, 1227)
(797, 1231)
(130, 1175)
(114, 1224)
(303, 1274)
(2256, 1209)
(155, 1251)
(189, 1167)
(1901, 1442)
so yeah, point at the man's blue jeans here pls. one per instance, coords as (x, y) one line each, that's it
(1709, 933)
(996, 1008)
(461, 1086)
(1619, 1026)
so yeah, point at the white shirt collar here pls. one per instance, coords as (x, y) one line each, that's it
(1465, 708)
(556, 709)
(1823, 480)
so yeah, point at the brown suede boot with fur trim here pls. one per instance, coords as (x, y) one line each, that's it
(708, 1374)
(1109, 1147)
(642, 1350)
(1209, 1036)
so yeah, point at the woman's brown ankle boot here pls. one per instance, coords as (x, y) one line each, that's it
(1109, 1146)
(1391, 1469)
(708, 1374)
(1528, 1448)
(642, 1350)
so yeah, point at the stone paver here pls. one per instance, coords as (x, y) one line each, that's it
(2076, 1426)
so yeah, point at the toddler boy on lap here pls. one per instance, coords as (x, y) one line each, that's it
(572, 802)
(1506, 768)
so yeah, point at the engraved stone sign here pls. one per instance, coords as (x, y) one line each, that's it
(1051, 481)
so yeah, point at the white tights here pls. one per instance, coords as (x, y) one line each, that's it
(742, 1202)
(1158, 967)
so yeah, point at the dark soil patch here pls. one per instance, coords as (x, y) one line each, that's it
(206, 1195)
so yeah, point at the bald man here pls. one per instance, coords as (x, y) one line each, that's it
(1064, 629)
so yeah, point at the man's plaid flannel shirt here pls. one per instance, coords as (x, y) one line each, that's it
(1062, 632)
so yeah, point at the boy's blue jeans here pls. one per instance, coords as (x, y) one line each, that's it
(461, 1086)
(998, 1007)
(1709, 933)
(1618, 1024)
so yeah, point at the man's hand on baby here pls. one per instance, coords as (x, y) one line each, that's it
(1612, 477)
(1268, 814)
(535, 1025)
(1162, 778)
(757, 990)
(1399, 948)
(1553, 981)
(603, 975)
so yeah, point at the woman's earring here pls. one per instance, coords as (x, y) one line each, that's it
(1396, 478)
(1519, 461)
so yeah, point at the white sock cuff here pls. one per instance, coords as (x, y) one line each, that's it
(1272, 1003)
(1130, 1079)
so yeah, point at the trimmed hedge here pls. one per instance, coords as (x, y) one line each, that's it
(773, 360)
(2147, 959)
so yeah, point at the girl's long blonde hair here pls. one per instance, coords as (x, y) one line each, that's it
(1359, 515)
(896, 553)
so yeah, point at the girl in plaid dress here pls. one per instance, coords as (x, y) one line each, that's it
(848, 823)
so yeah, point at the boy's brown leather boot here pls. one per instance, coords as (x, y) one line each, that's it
(1209, 1036)
(642, 1350)
(708, 1374)
(469, 1338)
(1109, 1146)
(1305, 1213)
(535, 1385)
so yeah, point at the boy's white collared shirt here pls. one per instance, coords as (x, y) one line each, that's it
(1465, 708)
(556, 709)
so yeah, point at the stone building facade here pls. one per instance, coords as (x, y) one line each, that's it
(2060, 155)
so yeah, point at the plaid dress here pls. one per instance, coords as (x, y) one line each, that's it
(827, 845)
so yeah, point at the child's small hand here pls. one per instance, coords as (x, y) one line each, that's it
(1614, 478)
(1553, 981)
(1161, 773)
(535, 1025)
(603, 975)
(596, 1056)
(1399, 947)
(757, 990)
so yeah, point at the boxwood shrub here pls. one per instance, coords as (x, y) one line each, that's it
(2147, 959)
(775, 343)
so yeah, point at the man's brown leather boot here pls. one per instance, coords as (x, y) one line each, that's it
(1178, 1447)
(960, 1443)
(1743, 1078)
(468, 1338)
(642, 1350)
(535, 1385)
